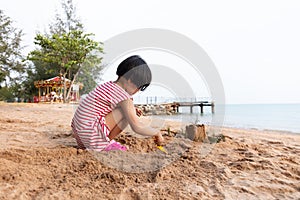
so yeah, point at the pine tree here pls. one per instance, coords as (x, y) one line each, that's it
(10, 50)
(66, 22)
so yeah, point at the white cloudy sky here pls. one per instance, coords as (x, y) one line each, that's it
(255, 45)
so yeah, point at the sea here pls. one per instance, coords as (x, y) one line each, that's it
(277, 117)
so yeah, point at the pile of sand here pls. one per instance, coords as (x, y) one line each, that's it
(39, 159)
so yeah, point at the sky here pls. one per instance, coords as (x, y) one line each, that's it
(255, 45)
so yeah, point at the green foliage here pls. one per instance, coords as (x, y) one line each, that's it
(89, 73)
(68, 50)
(38, 71)
(6, 94)
(10, 50)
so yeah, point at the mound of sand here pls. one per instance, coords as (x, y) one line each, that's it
(39, 160)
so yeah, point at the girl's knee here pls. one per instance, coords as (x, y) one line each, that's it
(118, 111)
(114, 118)
(123, 123)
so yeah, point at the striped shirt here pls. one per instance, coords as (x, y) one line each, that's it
(88, 123)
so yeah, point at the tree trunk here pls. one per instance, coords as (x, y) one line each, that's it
(65, 89)
(75, 76)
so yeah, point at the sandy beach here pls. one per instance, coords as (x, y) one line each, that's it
(39, 160)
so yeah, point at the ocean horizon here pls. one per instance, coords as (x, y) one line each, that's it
(277, 117)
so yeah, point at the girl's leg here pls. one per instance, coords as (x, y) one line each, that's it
(116, 122)
(118, 129)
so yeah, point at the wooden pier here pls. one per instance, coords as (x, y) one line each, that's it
(201, 104)
(169, 108)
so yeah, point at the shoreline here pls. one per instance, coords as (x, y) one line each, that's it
(228, 126)
(163, 116)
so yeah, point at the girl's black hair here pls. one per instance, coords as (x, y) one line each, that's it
(137, 70)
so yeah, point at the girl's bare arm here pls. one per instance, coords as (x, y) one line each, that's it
(129, 112)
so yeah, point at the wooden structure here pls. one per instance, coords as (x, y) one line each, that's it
(172, 108)
(56, 84)
(201, 104)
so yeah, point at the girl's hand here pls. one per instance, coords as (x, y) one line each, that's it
(138, 112)
(159, 140)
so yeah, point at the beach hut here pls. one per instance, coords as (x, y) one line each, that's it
(52, 89)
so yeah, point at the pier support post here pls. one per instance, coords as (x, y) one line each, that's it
(191, 109)
(201, 108)
(212, 107)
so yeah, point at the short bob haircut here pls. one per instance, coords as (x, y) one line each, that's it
(137, 70)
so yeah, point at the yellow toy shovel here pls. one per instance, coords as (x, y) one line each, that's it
(162, 149)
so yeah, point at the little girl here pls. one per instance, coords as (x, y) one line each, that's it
(108, 109)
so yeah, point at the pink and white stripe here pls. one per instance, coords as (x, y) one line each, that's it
(88, 124)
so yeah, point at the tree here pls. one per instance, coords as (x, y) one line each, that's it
(10, 50)
(67, 22)
(62, 26)
(69, 50)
